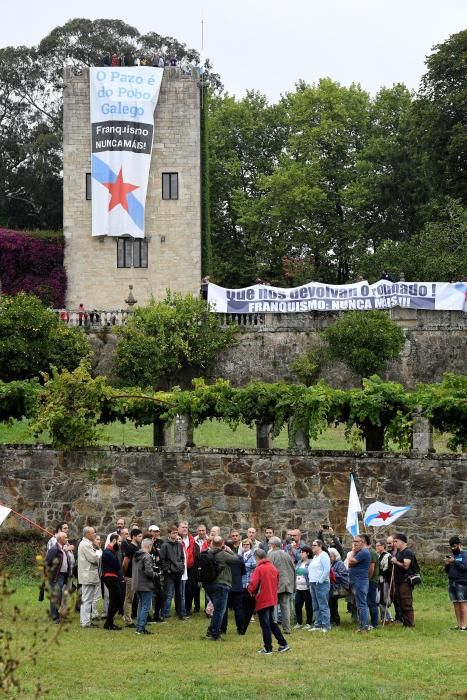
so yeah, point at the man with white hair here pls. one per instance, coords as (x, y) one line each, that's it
(284, 564)
(58, 569)
(88, 575)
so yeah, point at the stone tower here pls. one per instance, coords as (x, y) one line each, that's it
(100, 269)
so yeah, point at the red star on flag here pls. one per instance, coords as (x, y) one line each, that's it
(384, 515)
(119, 191)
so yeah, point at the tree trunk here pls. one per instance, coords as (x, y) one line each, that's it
(374, 437)
(158, 438)
(263, 436)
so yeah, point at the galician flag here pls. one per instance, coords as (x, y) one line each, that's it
(4, 513)
(380, 514)
(354, 509)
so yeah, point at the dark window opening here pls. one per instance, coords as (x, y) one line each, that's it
(169, 185)
(132, 252)
(88, 186)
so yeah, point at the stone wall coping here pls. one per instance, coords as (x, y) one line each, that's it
(239, 451)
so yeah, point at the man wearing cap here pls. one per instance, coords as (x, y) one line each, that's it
(403, 562)
(158, 598)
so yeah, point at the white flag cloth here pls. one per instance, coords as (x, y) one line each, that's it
(4, 513)
(354, 509)
(380, 514)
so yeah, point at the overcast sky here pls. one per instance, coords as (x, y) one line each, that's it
(268, 45)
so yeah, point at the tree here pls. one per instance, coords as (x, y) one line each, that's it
(437, 252)
(166, 338)
(443, 115)
(365, 341)
(245, 140)
(32, 339)
(304, 210)
(70, 406)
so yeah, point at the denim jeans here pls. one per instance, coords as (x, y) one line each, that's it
(320, 599)
(219, 595)
(360, 591)
(269, 628)
(173, 584)
(56, 588)
(371, 599)
(144, 605)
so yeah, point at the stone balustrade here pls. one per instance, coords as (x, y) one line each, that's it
(95, 319)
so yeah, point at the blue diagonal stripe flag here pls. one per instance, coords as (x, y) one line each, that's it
(380, 514)
(354, 509)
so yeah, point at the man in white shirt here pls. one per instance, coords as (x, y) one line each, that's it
(88, 575)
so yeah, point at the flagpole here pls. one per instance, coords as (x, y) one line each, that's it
(388, 595)
(31, 522)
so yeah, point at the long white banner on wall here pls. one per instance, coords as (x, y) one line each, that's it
(122, 102)
(315, 296)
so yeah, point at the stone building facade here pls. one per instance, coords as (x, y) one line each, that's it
(236, 488)
(172, 226)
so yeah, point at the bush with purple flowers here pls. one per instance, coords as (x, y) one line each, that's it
(32, 265)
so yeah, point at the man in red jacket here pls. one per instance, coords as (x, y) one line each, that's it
(263, 585)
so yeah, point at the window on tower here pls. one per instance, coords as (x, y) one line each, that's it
(132, 252)
(169, 185)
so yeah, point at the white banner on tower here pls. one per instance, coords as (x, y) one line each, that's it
(123, 101)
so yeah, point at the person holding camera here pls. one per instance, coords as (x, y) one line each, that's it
(455, 565)
(327, 535)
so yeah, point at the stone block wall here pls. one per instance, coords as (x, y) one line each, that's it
(436, 342)
(237, 488)
(172, 227)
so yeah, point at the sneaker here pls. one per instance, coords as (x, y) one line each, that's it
(265, 652)
(314, 629)
(112, 628)
(283, 648)
(297, 626)
(324, 629)
(462, 629)
(142, 632)
(307, 627)
(362, 629)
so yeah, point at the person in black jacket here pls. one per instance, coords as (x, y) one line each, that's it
(172, 560)
(112, 575)
(58, 567)
(235, 599)
(143, 579)
(158, 599)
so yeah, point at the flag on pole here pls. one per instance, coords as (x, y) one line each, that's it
(354, 509)
(380, 514)
(4, 513)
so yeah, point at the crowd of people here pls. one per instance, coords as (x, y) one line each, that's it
(287, 584)
(127, 59)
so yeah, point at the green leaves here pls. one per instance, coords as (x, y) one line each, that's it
(69, 407)
(364, 341)
(32, 339)
(166, 337)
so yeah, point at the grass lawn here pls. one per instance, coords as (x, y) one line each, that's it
(209, 434)
(175, 663)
